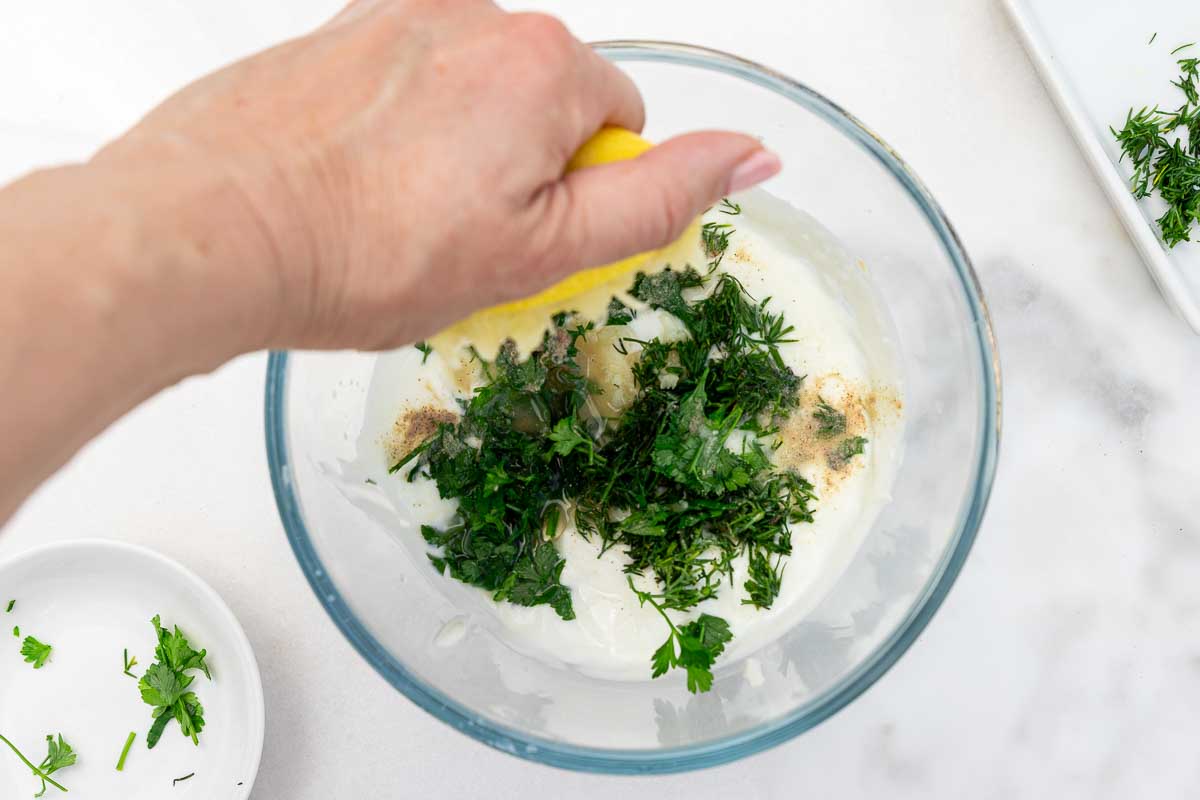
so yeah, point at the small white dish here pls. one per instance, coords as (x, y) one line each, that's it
(91, 599)
(1097, 62)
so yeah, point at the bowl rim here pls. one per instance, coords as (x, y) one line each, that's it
(851, 685)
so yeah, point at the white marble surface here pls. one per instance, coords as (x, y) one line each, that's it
(1065, 663)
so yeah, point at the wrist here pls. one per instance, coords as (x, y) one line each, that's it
(116, 286)
(186, 262)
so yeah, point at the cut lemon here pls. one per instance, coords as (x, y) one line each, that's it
(586, 292)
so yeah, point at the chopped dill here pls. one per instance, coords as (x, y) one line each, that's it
(1163, 149)
(830, 421)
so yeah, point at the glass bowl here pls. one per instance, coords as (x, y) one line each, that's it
(404, 619)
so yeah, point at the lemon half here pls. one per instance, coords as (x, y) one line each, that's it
(586, 292)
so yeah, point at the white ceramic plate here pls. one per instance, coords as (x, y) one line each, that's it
(90, 599)
(1097, 61)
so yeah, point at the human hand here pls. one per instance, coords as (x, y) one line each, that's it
(403, 165)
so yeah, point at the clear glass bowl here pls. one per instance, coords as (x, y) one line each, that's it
(400, 615)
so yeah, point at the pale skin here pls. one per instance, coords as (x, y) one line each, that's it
(359, 187)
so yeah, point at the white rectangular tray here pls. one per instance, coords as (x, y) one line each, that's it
(1097, 61)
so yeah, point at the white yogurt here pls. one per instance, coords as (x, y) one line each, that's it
(841, 346)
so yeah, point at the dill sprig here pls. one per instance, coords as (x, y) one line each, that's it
(1163, 149)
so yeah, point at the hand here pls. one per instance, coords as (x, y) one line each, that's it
(403, 166)
(359, 187)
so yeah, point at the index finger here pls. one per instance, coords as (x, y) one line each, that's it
(610, 96)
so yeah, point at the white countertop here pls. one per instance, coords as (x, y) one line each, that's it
(1066, 661)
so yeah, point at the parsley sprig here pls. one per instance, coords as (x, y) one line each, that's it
(165, 686)
(58, 756)
(694, 646)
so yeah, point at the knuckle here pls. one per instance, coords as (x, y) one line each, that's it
(545, 36)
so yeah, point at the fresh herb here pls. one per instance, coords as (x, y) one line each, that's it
(1183, 47)
(59, 755)
(682, 481)
(765, 580)
(17, 631)
(9, 609)
(830, 421)
(130, 663)
(184, 778)
(847, 449)
(425, 349)
(715, 238)
(125, 751)
(1152, 38)
(619, 313)
(165, 685)
(1163, 148)
(35, 652)
(694, 646)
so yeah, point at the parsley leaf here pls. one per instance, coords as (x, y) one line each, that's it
(59, 755)
(567, 436)
(694, 646)
(536, 580)
(162, 685)
(424, 348)
(9, 608)
(174, 650)
(35, 652)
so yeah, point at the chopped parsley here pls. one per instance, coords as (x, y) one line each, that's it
(35, 652)
(425, 349)
(1163, 147)
(682, 481)
(9, 608)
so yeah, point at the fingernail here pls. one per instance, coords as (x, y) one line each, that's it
(755, 168)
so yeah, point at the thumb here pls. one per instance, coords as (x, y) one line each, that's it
(604, 213)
